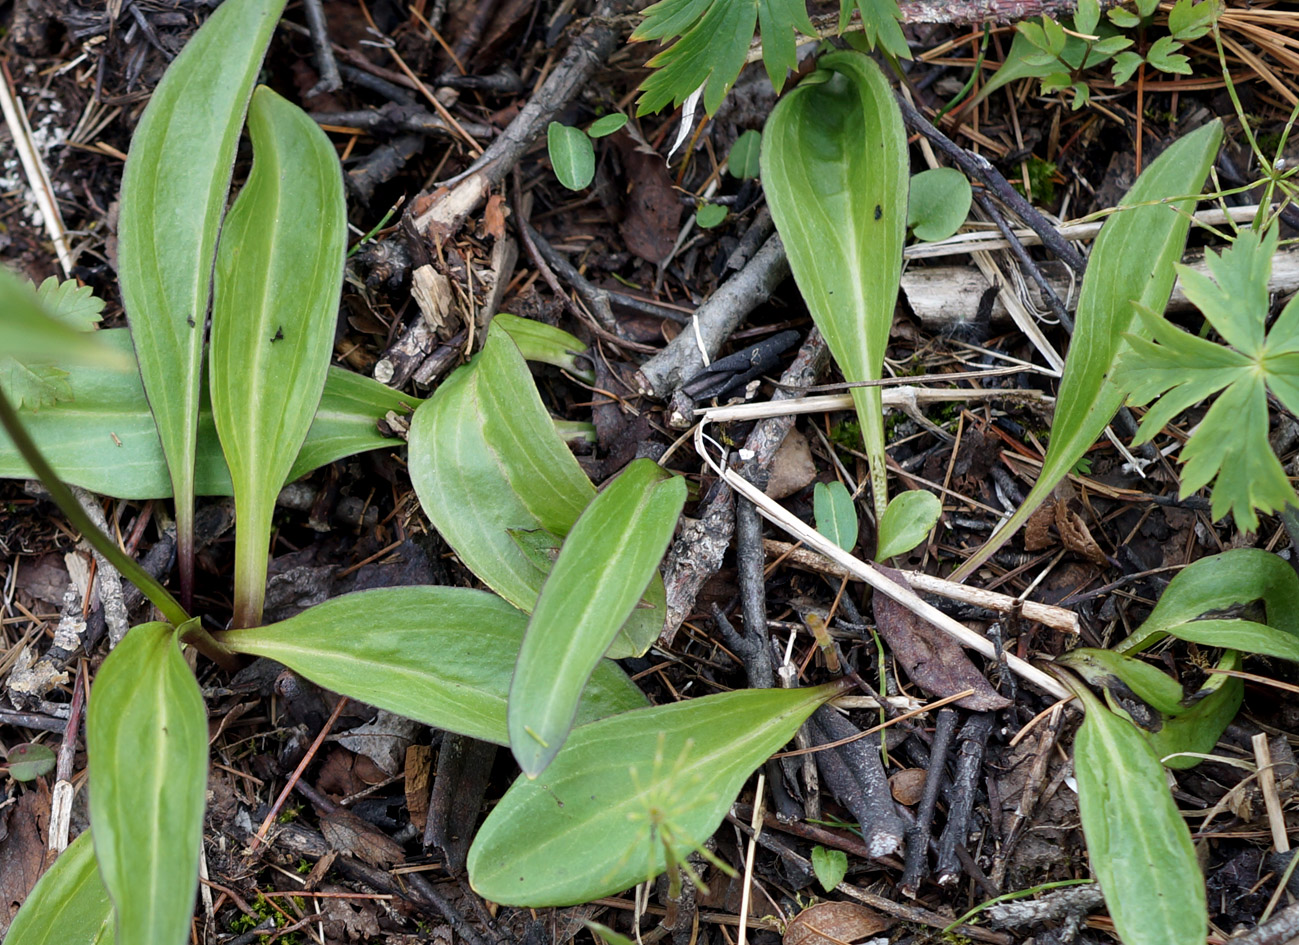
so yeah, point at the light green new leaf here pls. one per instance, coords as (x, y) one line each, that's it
(625, 792)
(603, 127)
(835, 513)
(835, 171)
(710, 215)
(603, 568)
(1219, 582)
(1131, 263)
(939, 203)
(439, 655)
(571, 155)
(1139, 845)
(487, 463)
(174, 190)
(105, 440)
(830, 867)
(744, 162)
(146, 742)
(279, 270)
(906, 522)
(68, 905)
(538, 341)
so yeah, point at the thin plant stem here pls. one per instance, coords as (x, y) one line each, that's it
(68, 504)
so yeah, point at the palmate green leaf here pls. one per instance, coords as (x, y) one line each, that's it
(1230, 446)
(68, 905)
(1024, 62)
(279, 271)
(881, 24)
(835, 513)
(835, 170)
(907, 522)
(487, 464)
(30, 330)
(1139, 845)
(105, 440)
(604, 566)
(34, 381)
(1131, 264)
(173, 196)
(714, 41)
(146, 742)
(439, 655)
(1218, 582)
(627, 790)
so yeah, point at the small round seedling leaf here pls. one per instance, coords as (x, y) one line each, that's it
(607, 125)
(571, 155)
(29, 762)
(836, 514)
(906, 522)
(710, 215)
(830, 866)
(743, 160)
(939, 204)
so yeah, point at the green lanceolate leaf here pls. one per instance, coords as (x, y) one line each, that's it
(173, 196)
(834, 164)
(1246, 635)
(1195, 731)
(603, 127)
(835, 513)
(439, 655)
(104, 438)
(538, 341)
(1139, 846)
(68, 905)
(907, 522)
(1131, 263)
(628, 792)
(1107, 669)
(939, 203)
(1216, 583)
(603, 568)
(744, 161)
(571, 155)
(279, 270)
(146, 739)
(487, 464)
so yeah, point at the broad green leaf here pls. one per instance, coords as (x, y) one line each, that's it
(68, 905)
(830, 867)
(1196, 731)
(538, 341)
(1230, 445)
(835, 171)
(30, 330)
(1106, 668)
(628, 790)
(939, 203)
(105, 440)
(744, 161)
(602, 127)
(487, 463)
(906, 522)
(571, 155)
(1139, 846)
(28, 762)
(1131, 262)
(604, 566)
(439, 655)
(710, 215)
(1216, 583)
(1245, 635)
(173, 196)
(146, 743)
(279, 270)
(835, 513)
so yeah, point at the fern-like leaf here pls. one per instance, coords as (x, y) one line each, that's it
(32, 383)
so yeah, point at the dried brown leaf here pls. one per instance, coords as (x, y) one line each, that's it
(834, 923)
